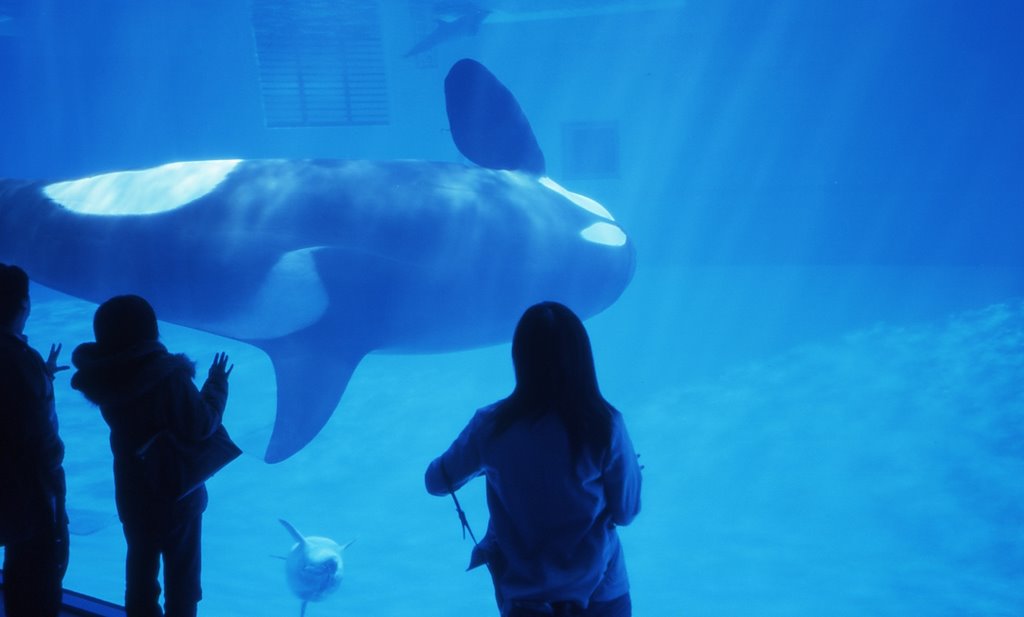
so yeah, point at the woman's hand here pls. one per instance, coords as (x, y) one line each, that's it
(220, 369)
(52, 368)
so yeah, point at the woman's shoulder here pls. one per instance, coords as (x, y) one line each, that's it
(488, 410)
(485, 419)
(484, 416)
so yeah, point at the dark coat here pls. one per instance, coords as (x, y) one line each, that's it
(32, 487)
(140, 392)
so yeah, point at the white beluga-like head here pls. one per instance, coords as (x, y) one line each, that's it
(314, 567)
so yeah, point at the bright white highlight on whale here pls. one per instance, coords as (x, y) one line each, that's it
(582, 201)
(604, 233)
(148, 191)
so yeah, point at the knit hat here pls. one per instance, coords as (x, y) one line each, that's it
(124, 321)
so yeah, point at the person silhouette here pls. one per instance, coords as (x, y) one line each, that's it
(141, 390)
(33, 517)
(561, 474)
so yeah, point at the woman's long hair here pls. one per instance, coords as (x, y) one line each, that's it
(555, 373)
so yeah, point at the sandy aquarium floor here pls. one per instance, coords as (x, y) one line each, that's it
(863, 465)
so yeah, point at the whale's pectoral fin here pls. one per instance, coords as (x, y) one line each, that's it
(488, 126)
(293, 531)
(312, 373)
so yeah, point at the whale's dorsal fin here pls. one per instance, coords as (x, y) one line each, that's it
(488, 126)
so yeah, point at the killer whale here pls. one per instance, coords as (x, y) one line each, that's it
(319, 262)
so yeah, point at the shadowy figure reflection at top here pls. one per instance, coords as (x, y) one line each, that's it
(466, 24)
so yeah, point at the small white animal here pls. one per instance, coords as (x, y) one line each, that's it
(314, 567)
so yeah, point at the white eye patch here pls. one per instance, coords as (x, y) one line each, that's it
(598, 233)
(604, 233)
(148, 191)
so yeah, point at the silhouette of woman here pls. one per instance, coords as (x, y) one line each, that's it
(561, 475)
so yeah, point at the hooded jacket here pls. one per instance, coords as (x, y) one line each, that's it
(141, 391)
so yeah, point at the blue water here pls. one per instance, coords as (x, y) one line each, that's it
(819, 359)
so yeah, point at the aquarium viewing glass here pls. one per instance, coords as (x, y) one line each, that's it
(794, 228)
